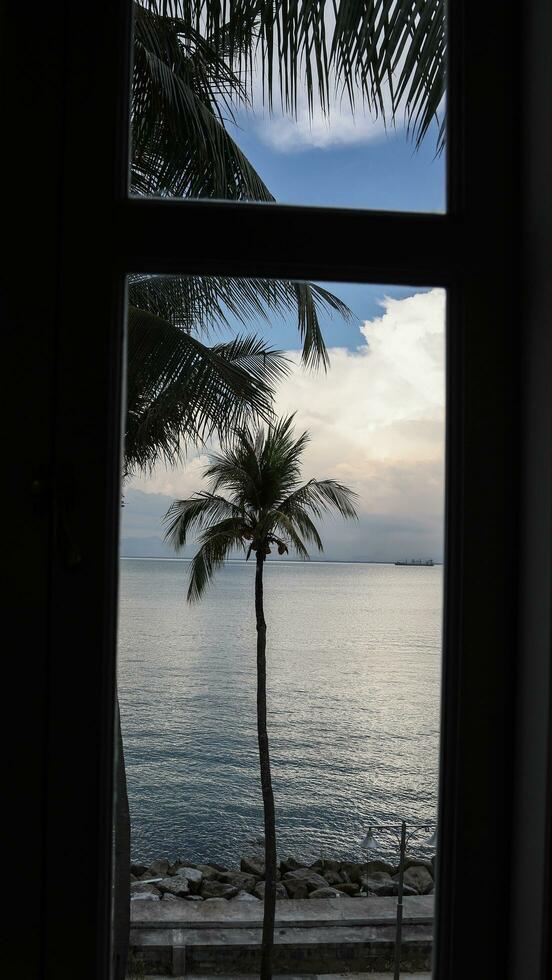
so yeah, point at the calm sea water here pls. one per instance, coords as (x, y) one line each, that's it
(353, 691)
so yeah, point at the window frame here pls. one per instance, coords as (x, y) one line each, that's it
(492, 755)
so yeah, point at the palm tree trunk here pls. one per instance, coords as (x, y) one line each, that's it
(266, 781)
(121, 859)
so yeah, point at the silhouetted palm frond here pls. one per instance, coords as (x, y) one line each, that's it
(179, 391)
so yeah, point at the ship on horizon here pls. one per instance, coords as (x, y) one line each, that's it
(416, 561)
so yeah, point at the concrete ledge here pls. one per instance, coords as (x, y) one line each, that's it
(304, 913)
(325, 936)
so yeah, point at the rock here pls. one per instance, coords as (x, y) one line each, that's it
(253, 866)
(291, 864)
(296, 887)
(193, 898)
(158, 868)
(416, 862)
(312, 879)
(208, 871)
(353, 871)
(326, 864)
(175, 868)
(333, 877)
(280, 890)
(325, 893)
(385, 886)
(218, 889)
(369, 867)
(138, 869)
(175, 885)
(240, 879)
(245, 897)
(418, 877)
(141, 892)
(169, 897)
(193, 875)
(381, 885)
(348, 888)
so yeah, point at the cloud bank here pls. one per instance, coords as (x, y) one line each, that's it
(376, 421)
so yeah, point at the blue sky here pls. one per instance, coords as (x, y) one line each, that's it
(385, 438)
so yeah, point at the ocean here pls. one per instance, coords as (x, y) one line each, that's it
(354, 663)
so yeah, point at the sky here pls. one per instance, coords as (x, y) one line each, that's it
(376, 418)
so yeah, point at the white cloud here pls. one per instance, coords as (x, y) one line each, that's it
(376, 421)
(288, 133)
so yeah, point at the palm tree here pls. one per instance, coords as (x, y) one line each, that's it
(265, 505)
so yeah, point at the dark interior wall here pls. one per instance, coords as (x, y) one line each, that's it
(531, 881)
(31, 84)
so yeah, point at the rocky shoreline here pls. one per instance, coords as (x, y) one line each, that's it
(184, 881)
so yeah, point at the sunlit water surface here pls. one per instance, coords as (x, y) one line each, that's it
(353, 695)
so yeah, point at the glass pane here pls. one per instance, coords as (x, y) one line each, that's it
(353, 636)
(311, 103)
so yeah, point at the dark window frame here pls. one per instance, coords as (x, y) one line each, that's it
(82, 237)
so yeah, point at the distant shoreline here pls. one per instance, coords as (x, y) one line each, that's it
(282, 561)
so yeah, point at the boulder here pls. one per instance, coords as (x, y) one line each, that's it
(296, 887)
(218, 889)
(159, 868)
(240, 879)
(348, 888)
(169, 897)
(379, 884)
(208, 871)
(245, 897)
(138, 869)
(291, 864)
(326, 864)
(141, 892)
(369, 867)
(333, 877)
(417, 862)
(280, 890)
(325, 893)
(353, 870)
(312, 879)
(253, 866)
(175, 884)
(175, 868)
(418, 877)
(385, 886)
(193, 876)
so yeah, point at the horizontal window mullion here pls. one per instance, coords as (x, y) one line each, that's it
(222, 238)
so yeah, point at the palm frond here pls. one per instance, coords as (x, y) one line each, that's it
(180, 391)
(371, 52)
(299, 518)
(185, 515)
(290, 529)
(217, 542)
(320, 496)
(206, 304)
(181, 87)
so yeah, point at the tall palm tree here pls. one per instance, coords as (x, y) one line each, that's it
(265, 506)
